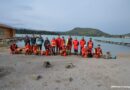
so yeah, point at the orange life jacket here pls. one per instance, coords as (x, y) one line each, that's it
(98, 51)
(84, 52)
(58, 42)
(53, 42)
(82, 43)
(76, 44)
(35, 49)
(62, 42)
(90, 44)
(28, 47)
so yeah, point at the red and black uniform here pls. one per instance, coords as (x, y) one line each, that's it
(62, 42)
(13, 48)
(35, 49)
(76, 44)
(82, 43)
(28, 49)
(63, 52)
(98, 52)
(53, 46)
(69, 44)
(58, 44)
(90, 45)
(85, 52)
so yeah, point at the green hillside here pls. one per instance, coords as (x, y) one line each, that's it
(75, 31)
(87, 32)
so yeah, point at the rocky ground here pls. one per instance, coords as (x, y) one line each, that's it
(21, 72)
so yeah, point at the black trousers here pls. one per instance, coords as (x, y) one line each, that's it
(40, 47)
(75, 52)
(54, 50)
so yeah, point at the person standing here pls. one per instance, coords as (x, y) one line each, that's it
(90, 44)
(33, 40)
(62, 42)
(76, 44)
(39, 42)
(53, 46)
(26, 40)
(58, 44)
(69, 44)
(82, 43)
(47, 44)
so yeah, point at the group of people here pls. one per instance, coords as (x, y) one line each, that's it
(57, 46)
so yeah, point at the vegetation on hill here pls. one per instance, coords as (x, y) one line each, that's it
(75, 31)
(86, 32)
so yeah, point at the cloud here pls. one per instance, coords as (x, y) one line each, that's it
(63, 15)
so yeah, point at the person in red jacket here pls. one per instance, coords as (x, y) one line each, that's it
(63, 51)
(98, 52)
(82, 43)
(69, 44)
(15, 49)
(75, 44)
(28, 49)
(62, 42)
(35, 49)
(85, 51)
(90, 44)
(53, 46)
(58, 44)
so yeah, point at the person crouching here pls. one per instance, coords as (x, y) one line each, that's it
(28, 49)
(14, 49)
(63, 51)
(35, 49)
(85, 51)
(98, 52)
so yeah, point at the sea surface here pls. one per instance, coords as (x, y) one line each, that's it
(114, 49)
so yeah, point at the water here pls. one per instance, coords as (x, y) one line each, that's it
(114, 49)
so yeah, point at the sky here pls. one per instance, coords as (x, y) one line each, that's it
(110, 16)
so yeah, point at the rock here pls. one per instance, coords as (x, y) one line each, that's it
(36, 77)
(58, 81)
(70, 65)
(70, 79)
(5, 71)
(47, 64)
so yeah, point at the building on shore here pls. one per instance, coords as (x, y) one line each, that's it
(6, 32)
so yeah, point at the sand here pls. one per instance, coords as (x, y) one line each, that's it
(20, 72)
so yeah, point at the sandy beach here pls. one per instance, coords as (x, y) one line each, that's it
(20, 72)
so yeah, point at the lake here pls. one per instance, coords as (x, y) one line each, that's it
(114, 49)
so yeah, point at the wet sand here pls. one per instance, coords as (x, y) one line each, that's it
(20, 72)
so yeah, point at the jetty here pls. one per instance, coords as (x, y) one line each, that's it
(113, 42)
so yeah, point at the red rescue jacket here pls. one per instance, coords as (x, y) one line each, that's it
(82, 43)
(76, 44)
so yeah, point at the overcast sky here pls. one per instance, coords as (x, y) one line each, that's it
(111, 16)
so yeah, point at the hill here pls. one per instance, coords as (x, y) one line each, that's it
(127, 34)
(75, 31)
(86, 32)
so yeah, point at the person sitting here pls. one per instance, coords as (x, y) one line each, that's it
(15, 49)
(28, 49)
(35, 49)
(84, 51)
(98, 52)
(63, 51)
